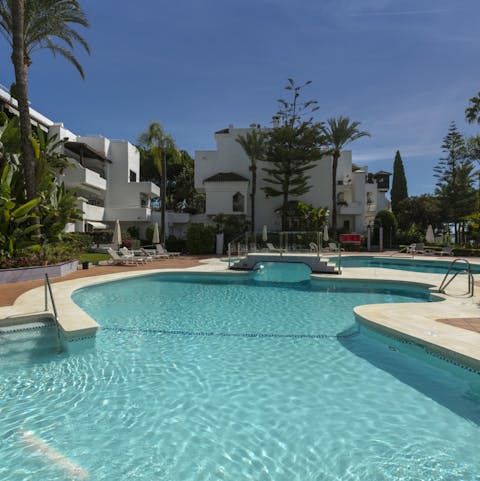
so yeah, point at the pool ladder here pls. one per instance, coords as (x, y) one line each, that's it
(49, 292)
(467, 270)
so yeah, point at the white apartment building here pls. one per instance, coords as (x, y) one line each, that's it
(224, 176)
(105, 174)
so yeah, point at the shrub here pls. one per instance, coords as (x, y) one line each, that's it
(175, 245)
(200, 239)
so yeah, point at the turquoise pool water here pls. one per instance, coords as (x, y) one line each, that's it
(413, 265)
(201, 377)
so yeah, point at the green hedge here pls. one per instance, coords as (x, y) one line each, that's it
(200, 239)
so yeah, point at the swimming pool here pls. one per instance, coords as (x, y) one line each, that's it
(413, 265)
(209, 377)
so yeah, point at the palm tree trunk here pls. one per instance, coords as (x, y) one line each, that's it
(335, 156)
(20, 64)
(254, 191)
(164, 194)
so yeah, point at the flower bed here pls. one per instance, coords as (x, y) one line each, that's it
(21, 274)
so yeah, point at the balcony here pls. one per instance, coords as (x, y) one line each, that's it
(148, 188)
(75, 176)
(138, 214)
(93, 212)
(352, 208)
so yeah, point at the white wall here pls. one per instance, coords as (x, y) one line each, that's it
(230, 157)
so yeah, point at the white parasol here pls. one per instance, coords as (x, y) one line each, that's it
(264, 234)
(117, 234)
(156, 235)
(325, 232)
(429, 236)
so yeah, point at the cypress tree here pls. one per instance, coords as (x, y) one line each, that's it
(399, 190)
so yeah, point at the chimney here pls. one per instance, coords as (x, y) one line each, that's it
(275, 122)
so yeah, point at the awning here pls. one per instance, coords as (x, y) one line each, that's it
(96, 225)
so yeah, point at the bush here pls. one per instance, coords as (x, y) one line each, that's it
(200, 239)
(175, 245)
(466, 252)
(80, 240)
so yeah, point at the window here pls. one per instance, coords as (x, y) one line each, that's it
(133, 176)
(370, 199)
(238, 203)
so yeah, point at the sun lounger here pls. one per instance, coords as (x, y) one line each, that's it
(313, 247)
(153, 253)
(333, 247)
(162, 250)
(271, 247)
(121, 259)
(128, 253)
(446, 251)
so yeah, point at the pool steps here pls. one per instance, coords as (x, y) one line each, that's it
(317, 265)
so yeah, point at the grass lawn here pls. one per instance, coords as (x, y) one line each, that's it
(93, 257)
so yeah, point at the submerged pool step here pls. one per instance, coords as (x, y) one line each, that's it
(318, 266)
(23, 342)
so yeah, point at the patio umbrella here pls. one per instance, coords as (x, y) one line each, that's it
(429, 236)
(117, 234)
(325, 233)
(156, 235)
(264, 234)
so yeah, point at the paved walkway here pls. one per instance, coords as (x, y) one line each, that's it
(10, 292)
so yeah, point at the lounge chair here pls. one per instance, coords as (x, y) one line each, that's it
(333, 247)
(121, 259)
(128, 253)
(271, 247)
(162, 250)
(313, 247)
(446, 251)
(417, 248)
(153, 253)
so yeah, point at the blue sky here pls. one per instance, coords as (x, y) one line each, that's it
(404, 69)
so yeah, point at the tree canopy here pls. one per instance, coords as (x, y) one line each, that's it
(292, 148)
(399, 190)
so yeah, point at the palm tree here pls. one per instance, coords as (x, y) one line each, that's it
(160, 144)
(29, 25)
(338, 133)
(253, 143)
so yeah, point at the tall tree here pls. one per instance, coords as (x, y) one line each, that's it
(28, 25)
(455, 179)
(253, 143)
(160, 145)
(472, 112)
(339, 132)
(399, 190)
(292, 148)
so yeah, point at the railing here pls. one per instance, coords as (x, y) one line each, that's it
(48, 291)
(471, 285)
(287, 243)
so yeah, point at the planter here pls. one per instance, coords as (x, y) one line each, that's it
(21, 274)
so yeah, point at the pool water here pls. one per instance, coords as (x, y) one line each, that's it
(412, 265)
(202, 377)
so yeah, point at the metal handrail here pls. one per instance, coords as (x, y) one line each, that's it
(471, 285)
(48, 290)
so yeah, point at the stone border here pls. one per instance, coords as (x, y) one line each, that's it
(21, 274)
